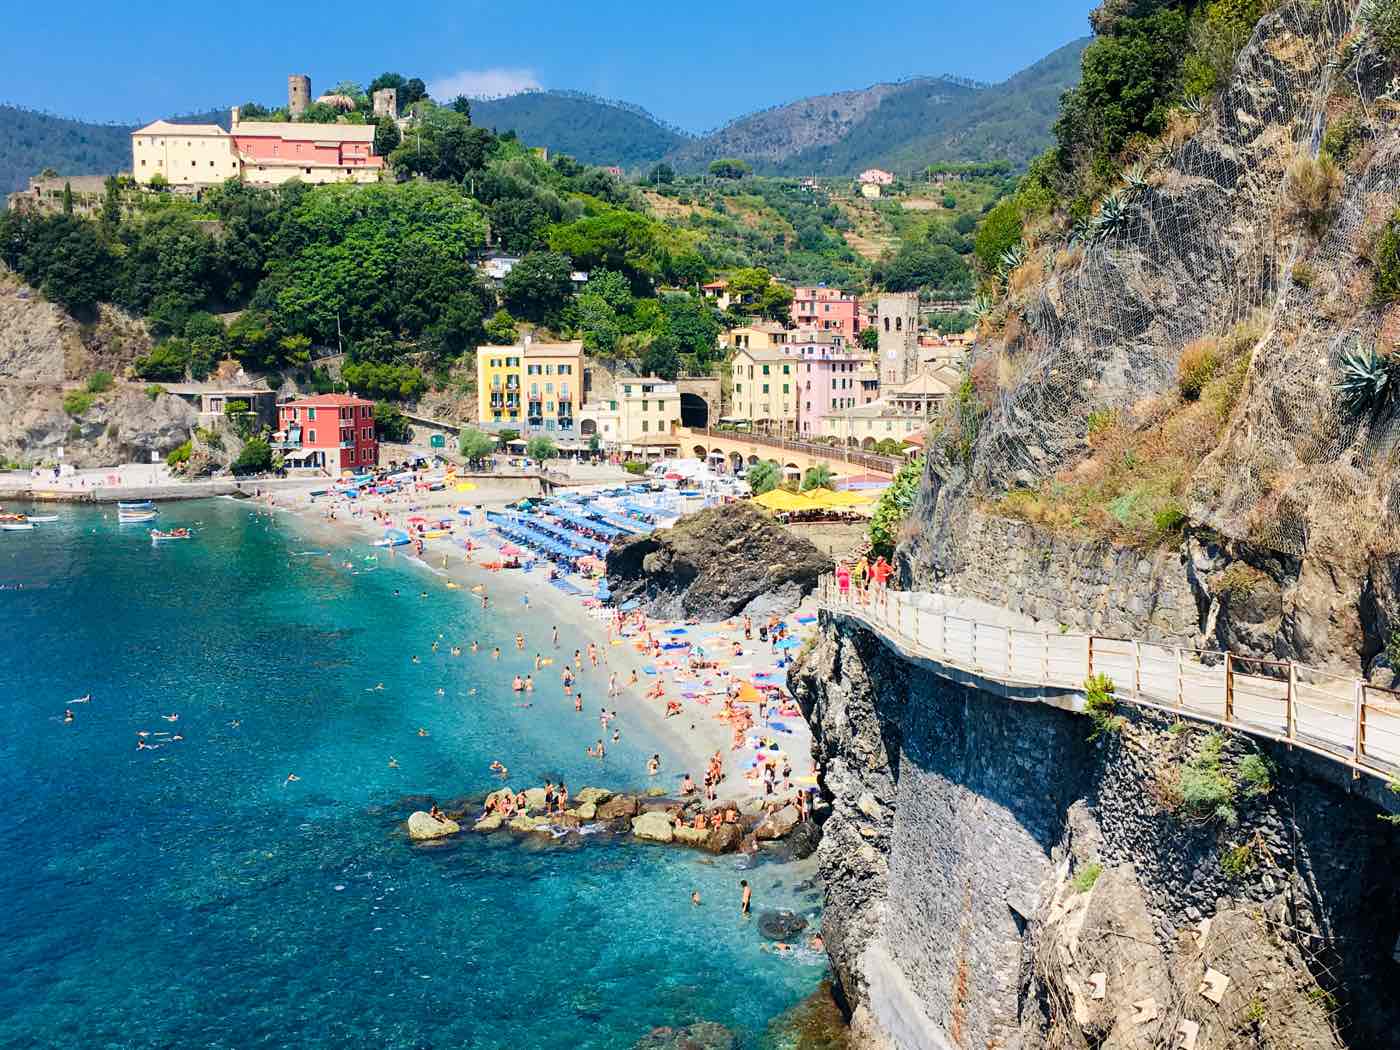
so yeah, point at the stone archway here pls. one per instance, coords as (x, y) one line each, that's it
(868, 444)
(695, 410)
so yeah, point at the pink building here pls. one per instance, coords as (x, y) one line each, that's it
(828, 310)
(831, 377)
(272, 152)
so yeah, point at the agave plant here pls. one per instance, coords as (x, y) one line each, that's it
(1112, 218)
(1370, 382)
(1011, 258)
(1082, 232)
(1194, 106)
(1135, 181)
(982, 306)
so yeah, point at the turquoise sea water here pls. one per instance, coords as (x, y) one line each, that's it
(189, 896)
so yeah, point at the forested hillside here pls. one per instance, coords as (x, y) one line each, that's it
(31, 141)
(593, 130)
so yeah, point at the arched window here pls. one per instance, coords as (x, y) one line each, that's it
(887, 324)
(899, 324)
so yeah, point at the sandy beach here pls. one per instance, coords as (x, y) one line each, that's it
(691, 736)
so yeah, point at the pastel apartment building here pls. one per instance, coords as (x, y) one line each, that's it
(535, 388)
(831, 377)
(828, 310)
(764, 386)
(641, 412)
(332, 432)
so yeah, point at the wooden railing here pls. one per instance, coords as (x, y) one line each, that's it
(1342, 718)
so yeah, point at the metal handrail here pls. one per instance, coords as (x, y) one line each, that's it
(1349, 720)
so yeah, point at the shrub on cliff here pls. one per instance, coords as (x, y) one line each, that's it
(1312, 188)
(893, 507)
(179, 455)
(764, 476)
(1199, 361)
(75, 403)
(1207, 787)
(1099, 703)
(100, 382)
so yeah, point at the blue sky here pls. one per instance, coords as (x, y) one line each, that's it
(695, 64)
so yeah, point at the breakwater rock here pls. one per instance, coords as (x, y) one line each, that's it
(722, 827)
(717, 563)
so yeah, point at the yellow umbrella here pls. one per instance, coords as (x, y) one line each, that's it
(781, 499)
(467, 486)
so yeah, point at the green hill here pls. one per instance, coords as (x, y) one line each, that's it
(932, 122)
(900, 126)
(591, 130)
(31, 141)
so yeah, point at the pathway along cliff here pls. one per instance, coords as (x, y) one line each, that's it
(1013, 875)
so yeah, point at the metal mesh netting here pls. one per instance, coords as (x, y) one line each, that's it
(1202, 245)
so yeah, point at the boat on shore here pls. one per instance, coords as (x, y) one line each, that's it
(157, 536)
(393, 538)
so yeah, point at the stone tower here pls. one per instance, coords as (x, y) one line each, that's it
(298, 94)
(898, 325)
(386, 103)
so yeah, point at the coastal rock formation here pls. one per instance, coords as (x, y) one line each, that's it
(424, 826)
(121, 426)
(703, 1035)
(618, 807)
(592, 795)
(490, 822)
(724, 838)
(777, 824)
(717, 563)
(654, 826)
(41, 345)
(994, 877)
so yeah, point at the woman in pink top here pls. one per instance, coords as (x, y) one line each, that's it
(843, 578)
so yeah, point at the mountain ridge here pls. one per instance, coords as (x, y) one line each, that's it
(902, 124)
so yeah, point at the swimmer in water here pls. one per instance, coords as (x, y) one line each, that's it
(441, 691)
(83, 699)
(292, 778)
(416, 660)
(474, 646)
(171, 718)
(496, 653)
(393, 762)
(422, 731)
(68, 714)
(235, 723)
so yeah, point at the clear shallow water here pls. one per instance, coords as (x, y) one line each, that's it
(187, 896)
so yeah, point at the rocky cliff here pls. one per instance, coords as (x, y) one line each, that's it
(1158, 406)
(124, 425)
(997, 878)
(725, 560)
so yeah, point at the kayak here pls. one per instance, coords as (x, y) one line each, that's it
(160, 537)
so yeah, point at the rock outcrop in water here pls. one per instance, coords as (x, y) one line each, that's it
(424, 827)
(995, 878)
(717, 563)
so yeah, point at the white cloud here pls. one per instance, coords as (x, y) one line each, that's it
(483, 83)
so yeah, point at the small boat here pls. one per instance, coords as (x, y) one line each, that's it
(173, 534)
(43, 518)
(138, 504)
(15, 526)
(136, 517)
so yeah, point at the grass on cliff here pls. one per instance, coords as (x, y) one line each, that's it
(1132, 485)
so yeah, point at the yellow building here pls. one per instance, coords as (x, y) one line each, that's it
(763, 335)
(536, 388)
(764, 387)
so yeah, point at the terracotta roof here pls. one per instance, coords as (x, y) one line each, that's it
(554, 349)
(326, 401)
(294, 131)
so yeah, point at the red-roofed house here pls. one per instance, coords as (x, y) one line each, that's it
(333, 432)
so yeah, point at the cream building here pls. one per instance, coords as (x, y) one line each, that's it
(764, 387)
(641, 412)
(183, 154)
(763, 335)
(902, 412)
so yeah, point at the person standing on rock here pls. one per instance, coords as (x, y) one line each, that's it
(746, 897)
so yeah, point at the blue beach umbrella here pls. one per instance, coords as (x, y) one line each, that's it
(789, 643)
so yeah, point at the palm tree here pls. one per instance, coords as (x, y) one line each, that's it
(818, 477)
(764, 476)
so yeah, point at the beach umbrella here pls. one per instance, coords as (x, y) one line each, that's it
(748, 694)
(677, 630)
(789, 643)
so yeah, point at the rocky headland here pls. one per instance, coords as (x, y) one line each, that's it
(712, 565)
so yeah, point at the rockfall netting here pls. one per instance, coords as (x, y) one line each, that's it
(1203, 239)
